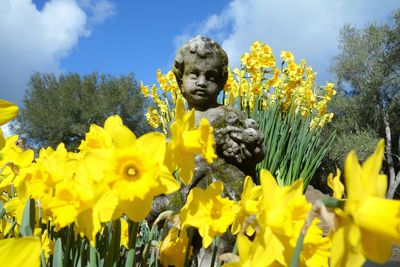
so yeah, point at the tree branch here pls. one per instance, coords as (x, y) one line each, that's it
(392, 173)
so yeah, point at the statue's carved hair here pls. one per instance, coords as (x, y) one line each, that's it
(203, 47)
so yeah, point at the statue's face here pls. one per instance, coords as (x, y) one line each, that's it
(200, 82)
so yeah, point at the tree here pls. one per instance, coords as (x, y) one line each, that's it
(368, 75)
(60, 109)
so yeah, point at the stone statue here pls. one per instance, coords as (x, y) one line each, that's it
(201, 70)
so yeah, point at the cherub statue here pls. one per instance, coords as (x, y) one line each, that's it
(201, 70)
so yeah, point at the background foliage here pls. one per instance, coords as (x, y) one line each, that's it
(367, 71)
(61, 108)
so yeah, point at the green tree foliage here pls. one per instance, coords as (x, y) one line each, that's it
(368, 79)
(61, 108)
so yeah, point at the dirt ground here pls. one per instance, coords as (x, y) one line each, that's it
(313, 194)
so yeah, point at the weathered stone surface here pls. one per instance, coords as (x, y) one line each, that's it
(201, 70)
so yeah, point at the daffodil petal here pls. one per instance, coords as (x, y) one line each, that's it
(121, 136)
(373, 164)
(2, 139)
(343, 254)
(269, 185)
(136, 210)
(244, 246)
(8, 111)
(374, 211)
(353, 172)
(375, 247)
(153, 145)
(21, 252)
(179, 108)
(169, 183)
(186, 168)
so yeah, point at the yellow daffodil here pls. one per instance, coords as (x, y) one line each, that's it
(12, 161)
(8, 111)
(248, 206)
(15, 207)
(335, 184)
(208, 211)
(361, 232)
(144, 90)
(282, 213)
(97, 137)
(135, 169)
(153, 118)
(187, 141)
(287, 56)
(47, 245)
(173, 247)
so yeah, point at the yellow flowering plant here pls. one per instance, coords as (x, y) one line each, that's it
(281, 96)
(289, 107)
(91, 207)
(163, 99)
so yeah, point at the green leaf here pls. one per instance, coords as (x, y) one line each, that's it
(130, 258)
(42, 260)
(58, 253)
(2, 210)
(114, 244)
(28, 218)
(93, 257)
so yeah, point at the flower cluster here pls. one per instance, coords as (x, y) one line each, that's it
(114, 174)
(259, 83)
(163, 113)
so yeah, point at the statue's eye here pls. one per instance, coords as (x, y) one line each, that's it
(211, 76)
(192, 75)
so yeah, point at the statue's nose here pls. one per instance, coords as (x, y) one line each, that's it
(202, 81)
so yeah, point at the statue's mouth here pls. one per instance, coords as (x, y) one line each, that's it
(201, 92)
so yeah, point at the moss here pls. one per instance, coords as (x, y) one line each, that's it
(175, 201)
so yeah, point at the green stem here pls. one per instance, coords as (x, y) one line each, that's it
(307, 223)
(131, 258)
(215, 250)
(70, 234)
(235, 247)
(187, 262)
(299, 246)
(147, 248)
(331, 202)
(12, 190)
(42, 260)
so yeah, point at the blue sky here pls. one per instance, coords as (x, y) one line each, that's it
(120, 37)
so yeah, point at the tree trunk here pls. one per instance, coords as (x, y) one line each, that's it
(394, 179)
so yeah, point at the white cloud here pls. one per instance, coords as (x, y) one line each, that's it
(308, 28)
(35, 40)
(97, 10)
